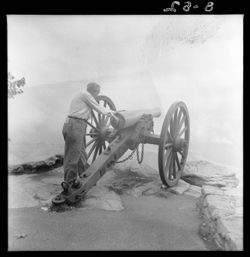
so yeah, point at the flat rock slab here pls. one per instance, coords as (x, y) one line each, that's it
(134, 166)
(139, 180)
(222, 212)
(129, 178)
(132, 181)
(194, 191)
(205, 173)
(29, 190)
(101, 197)
(180, 187)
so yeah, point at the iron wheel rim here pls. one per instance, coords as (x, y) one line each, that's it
(174, 144)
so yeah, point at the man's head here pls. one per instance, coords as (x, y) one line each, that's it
(93, 88)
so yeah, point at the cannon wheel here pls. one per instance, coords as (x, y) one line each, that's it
(174, 142)
(95, 141)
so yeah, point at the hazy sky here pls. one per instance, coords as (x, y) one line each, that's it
(197, 59)
(49, 49)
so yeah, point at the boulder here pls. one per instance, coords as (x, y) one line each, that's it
(16, 170)
(205, 173)
(35, 167)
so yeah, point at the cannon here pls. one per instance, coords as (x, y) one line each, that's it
(108, 138)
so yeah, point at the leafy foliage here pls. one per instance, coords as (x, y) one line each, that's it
(14, 86)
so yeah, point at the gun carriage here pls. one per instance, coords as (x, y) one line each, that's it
(108, 138)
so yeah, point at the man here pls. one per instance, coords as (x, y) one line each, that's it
(74, 129)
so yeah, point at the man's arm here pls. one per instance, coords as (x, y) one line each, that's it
(94, 105)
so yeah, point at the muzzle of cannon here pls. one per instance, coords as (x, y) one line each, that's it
(108, 138)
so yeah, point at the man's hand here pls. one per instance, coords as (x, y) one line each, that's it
(112, 114)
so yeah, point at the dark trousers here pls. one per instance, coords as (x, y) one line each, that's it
(75, 157)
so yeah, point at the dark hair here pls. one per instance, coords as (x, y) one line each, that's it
(92, 85)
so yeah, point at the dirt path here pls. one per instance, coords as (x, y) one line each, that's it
(146, 223)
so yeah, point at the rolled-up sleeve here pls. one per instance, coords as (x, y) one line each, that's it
(94, 105)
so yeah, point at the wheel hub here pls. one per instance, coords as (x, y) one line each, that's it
(179, 143)
(104, 132)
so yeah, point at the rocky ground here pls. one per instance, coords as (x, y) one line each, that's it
(220, 204)
(205, 189)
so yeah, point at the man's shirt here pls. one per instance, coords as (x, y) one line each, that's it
(82, 104)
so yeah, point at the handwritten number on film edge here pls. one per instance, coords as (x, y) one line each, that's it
(209, 7)
(188, 5)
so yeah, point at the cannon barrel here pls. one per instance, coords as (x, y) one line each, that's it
(129, 118)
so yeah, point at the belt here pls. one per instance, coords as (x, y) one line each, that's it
(72, 117)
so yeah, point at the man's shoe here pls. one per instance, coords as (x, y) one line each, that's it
(85, 174)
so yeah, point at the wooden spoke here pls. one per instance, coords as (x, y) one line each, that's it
(92, 126)
(91, 134)
(175, 122)
(178, 155)
(94, 117)
(181, 153)
(169, 136)
(179, 115)
(108, 123)
(96, 151)
(177, 161)
(166, 157)
(181, 122)
(100, 148)
(100, 116)
(100, 119)
(105, 120)
(170, 166)
(92, 149)
(167, 145)
(182, 131)
(90, 142)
